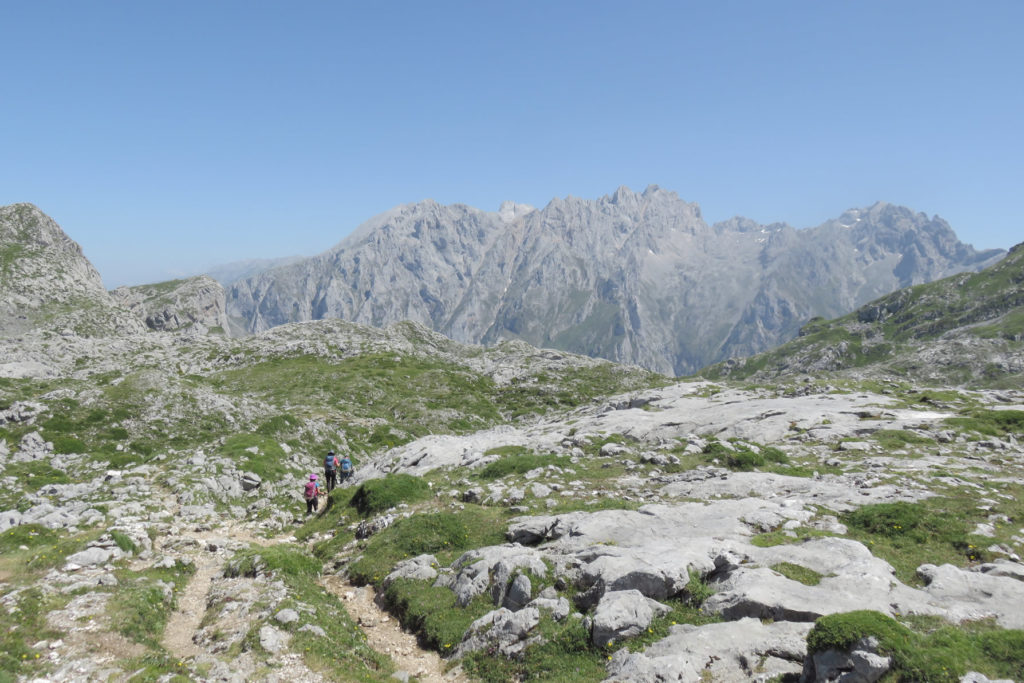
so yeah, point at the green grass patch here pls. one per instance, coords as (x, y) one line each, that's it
(22, 625)
(161, 667)
(942, 655)
(990, 422)
(517, 460)
(342, 654)
(936, 531)
(567, 655)
(275, 559)
(378, 495)
(895, 439)
(36, 473)
(268, 461)
(443, 534)
(742, 458)
(140, 604)
(432, 613)
(795, 572)
(780, 537)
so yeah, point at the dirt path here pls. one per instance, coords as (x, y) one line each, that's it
(385, 634)
(185, 620)
(183, 623)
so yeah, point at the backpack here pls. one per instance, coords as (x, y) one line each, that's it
(346, 464)
(310, 491)
(329, 462)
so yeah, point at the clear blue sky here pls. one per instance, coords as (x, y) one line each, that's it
(169, 136)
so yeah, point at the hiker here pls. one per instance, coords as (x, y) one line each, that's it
(331, 464)
(346, 467)
(310, 493)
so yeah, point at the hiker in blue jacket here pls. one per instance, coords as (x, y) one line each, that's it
(331, 465)
(347, 470)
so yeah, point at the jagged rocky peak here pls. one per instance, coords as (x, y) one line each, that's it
(46, 282)
(195, 303)
(510, 211)
(632, 277)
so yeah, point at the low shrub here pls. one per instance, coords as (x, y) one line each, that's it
(742, 458)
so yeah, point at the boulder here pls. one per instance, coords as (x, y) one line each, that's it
(862, 664)
(975, 595)
(473, 573)
(250, 481)
(719, 652)
(274, 640)
(286, 616)
(559, 607)
(421, 568)
(518, 594)
(90, 557)
(8, 519)
(501, 630)
(623, 614)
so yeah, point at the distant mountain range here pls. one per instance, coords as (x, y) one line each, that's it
(632, 277)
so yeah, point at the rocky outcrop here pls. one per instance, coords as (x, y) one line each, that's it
(636, 278)
(47, 284)
(195, 303)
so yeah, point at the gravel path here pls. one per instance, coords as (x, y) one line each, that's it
(385, 634)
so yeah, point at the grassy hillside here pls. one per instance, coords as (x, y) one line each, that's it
(965, 330)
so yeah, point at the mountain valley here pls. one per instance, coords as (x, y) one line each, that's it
(845, 507)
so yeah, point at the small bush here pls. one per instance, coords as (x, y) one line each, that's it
(841, 631)
(378, 495)
(742, 458)
(124, 542)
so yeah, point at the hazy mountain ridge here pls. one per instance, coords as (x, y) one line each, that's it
(637, 278)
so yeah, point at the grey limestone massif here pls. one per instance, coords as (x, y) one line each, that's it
(636, 278)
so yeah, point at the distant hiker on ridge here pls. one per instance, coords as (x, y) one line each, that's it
(331, 465)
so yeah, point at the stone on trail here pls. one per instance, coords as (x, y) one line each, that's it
(274, 640)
